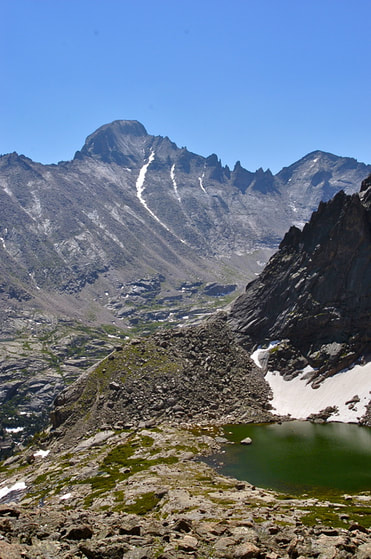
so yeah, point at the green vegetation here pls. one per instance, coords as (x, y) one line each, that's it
(119, 464)
(134, 360)
(144, 504)
(336, 517)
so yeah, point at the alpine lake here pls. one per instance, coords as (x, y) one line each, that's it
(298, 457)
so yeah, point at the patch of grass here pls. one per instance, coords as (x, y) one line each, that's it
(119, 455)
(144, 504)
(114, 465)
(146, 441)
(222, 501)
(104, 482)
(42, 478)
(259, 519)
(168, 460)
(199, 430)
(285, 497)
(331, 517)
(193, 449)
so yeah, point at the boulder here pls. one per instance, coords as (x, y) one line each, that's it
(82, 532)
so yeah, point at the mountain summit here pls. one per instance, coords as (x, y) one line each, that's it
(113, 142)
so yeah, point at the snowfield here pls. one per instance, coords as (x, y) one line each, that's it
(297, 398)
(19, 486)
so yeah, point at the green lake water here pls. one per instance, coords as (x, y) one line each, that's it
(299, 457)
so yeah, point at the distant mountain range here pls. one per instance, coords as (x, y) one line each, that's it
(134, 215)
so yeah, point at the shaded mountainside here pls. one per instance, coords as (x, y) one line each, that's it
(132, 206)
(315, 292)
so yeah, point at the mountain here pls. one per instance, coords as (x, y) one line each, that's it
(75, 238)
(308, 314)
(133, 233)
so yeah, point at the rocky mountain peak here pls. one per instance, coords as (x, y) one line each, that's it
(241, 178)
(114, 142)
(315, 291)
(119, 128)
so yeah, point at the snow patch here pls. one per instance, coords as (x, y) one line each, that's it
(298, 399)
(19, 486)
(200, 179)
(172, 176)
(66, 496)
(14, 429)
(41, 453)
(32, 276)
(7, 190)
(299, 224)
(260, 355)
(140, 189)
(293, 207)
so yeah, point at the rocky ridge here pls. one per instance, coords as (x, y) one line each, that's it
(314, 294)
(194, 374)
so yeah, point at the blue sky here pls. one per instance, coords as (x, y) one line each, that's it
(264, 82)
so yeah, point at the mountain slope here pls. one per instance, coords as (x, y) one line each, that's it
(131, 206)
(119, 473)
(137, 232)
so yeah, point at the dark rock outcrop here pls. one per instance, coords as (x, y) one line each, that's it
(315, 291)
